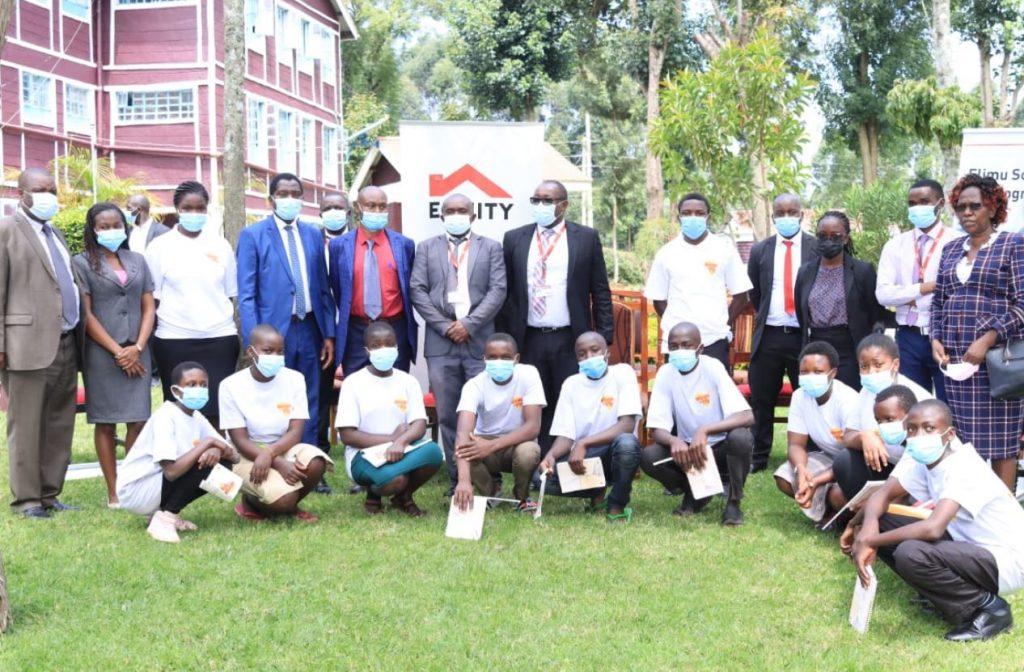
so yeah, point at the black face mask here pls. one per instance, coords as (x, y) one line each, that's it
(830, 249)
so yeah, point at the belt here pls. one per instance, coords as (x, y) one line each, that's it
(548, 330)
(68, 333)
(786, 329)
(359, 319)
(923, 331)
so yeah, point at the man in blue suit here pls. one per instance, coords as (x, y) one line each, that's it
(370, 268)
(282, 281)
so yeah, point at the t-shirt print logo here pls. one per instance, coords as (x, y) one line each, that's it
(284, 407)
(837, 433)
(195, 443)
(608, 401)
(711, 266)
(213, 257)
(402, 404)
(517, 402)
(703, 398)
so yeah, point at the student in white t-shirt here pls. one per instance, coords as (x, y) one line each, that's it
(820, 411)
(969, 550)
(263, 408)
(498, 423)
(382, 405)
(174, 453)
(596, 416)
(697, 397)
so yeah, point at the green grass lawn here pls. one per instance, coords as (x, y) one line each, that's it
(91, 591)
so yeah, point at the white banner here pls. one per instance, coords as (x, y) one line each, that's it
(999, 153)
(497, 165)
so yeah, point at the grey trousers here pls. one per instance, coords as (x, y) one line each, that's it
(447, 375)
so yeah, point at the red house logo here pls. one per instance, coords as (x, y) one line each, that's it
(442, 186)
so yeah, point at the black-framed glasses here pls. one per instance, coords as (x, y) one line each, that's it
(545, 201)
(961, 208)
(824, 237)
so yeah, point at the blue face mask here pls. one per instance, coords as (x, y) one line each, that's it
(892, 433)
(787, 227)
(111, 238)
(500, 370)
(383, 359)
(375, 221)
(876, 382)
(683, 359)
(193, 222)
(926, 448)
(334, 220)
(457, 225)
(921, 216)
(193, 398)
(130, 216)
(544, 214)
(693, 227)
(594, 367)
(269, 365)
(815, 384)
(287, 208)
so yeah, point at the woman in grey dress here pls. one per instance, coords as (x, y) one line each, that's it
(118, 309)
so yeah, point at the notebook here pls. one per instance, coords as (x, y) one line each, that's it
(468, 524)
(222, 483)
(862, 496)
(863, 602)
(540, 497)
(570, 481)
(378, 455)
(706, 482)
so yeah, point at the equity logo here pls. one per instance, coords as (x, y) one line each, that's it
(441, 186)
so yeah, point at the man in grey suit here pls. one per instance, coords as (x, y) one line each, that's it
(143, 227)
(457, 286)
(39, 315)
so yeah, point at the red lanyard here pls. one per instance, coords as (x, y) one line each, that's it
(462, 257)
(544, 254)
(917, 255)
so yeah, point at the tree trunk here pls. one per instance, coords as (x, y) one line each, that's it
(985, 48)
(942, 36)
(1004, 83)
(867, 166)
(655, 180)
(5, 604)
(615, 238)
(6, 9)
(234, 119)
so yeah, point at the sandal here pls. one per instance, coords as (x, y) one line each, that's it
(408, 506)
(595, 507)
(248, 514)
(624, 517)
(372, 504)
(304, 516)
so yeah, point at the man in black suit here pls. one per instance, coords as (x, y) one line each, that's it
(557, 290)
(772, 268)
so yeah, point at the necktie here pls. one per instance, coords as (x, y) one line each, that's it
(299, 281)
(453, 268)
(539, 302)
(68, 307)
(922, 241)
(371, 283)
(787, 279)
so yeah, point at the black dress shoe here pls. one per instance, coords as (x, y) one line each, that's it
(61, 506)
(922, 603)
(754, 468)
(672, 492)
(323, 489)
(986, 623)
(356, 489)
(35, 512)
(732, 516)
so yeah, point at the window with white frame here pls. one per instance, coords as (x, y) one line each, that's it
(147, 107)
(306, 49)
(155, 2)
(77, 109)
(37, 96)
(254, 38)
(284, 54)
(257, 133)
(330, 157)
(285, 141)
(307, 149)
(328, 57)
(76, 8)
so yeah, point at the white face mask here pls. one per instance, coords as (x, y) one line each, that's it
(44, 206)
(960, 371)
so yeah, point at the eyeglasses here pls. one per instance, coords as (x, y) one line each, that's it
(838, 237)
(545, 201)
(961, 208)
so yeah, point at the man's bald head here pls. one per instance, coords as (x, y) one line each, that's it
(787, 205)
(556, 188)
(371, 195)
(138, 202)
(457, 202)
(33, 179)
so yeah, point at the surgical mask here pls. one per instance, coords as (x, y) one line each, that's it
(960, 371)
(375, 221)
(876, 382)
(130, 216)
(193, 222)
(830, 249)
(693, 227)
(921, 216)
(383, 359)
(193, 398)
(269, 365)
(499, 370)
(815, 384)
(456, 225)
(544, 214)
(287, 208)
(334, 220)
(787, 226)
(44, 205)
(683, 359)
(594, 367)
(926, 448)
(111, 238)
(892, 433)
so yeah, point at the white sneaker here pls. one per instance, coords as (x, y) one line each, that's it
(182, 525)
(162, 527)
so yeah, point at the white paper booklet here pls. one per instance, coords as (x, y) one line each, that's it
(570, 481)
(378, 455)
(468, 524)
(707, 482)
(540, 497)
(862, 496)
(863, 603)
(222, 483)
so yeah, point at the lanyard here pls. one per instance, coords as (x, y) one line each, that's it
(456, 262)
(544, 254)
(928, 257)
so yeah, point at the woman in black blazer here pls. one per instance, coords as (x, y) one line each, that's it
(836, 296)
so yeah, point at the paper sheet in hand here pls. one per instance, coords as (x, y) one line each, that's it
(540, 498)
(862, 496)
(570, 481)
(378, 455)
(222, 483)
(706, 482)
(468, 524)
(863, 603)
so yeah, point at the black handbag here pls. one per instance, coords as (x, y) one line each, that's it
(1005, 364)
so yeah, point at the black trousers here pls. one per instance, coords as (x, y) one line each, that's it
(554, 355)
(777, 356)
(328, 398)
(732, 455)
(179, 493)
(955, 576)
(842, 341)
(852, 472)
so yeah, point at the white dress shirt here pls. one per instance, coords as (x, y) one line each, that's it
(555, 290)
(137, 238)
(897, 287)
(460, 297)
(777, 315)
(304, 280)
(65, 259)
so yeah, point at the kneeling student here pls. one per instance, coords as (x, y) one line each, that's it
(264, 409)
(174, 453)
(379, 404)
(499, 420)
(969, 550)
(821, 409)
(596, 416)
(698, 397)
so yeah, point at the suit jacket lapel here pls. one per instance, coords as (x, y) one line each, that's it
(768, 268)
(572, 240)
(271, 231)
(129, 264)
(847, 279)
(472, 255)
(33, 241)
